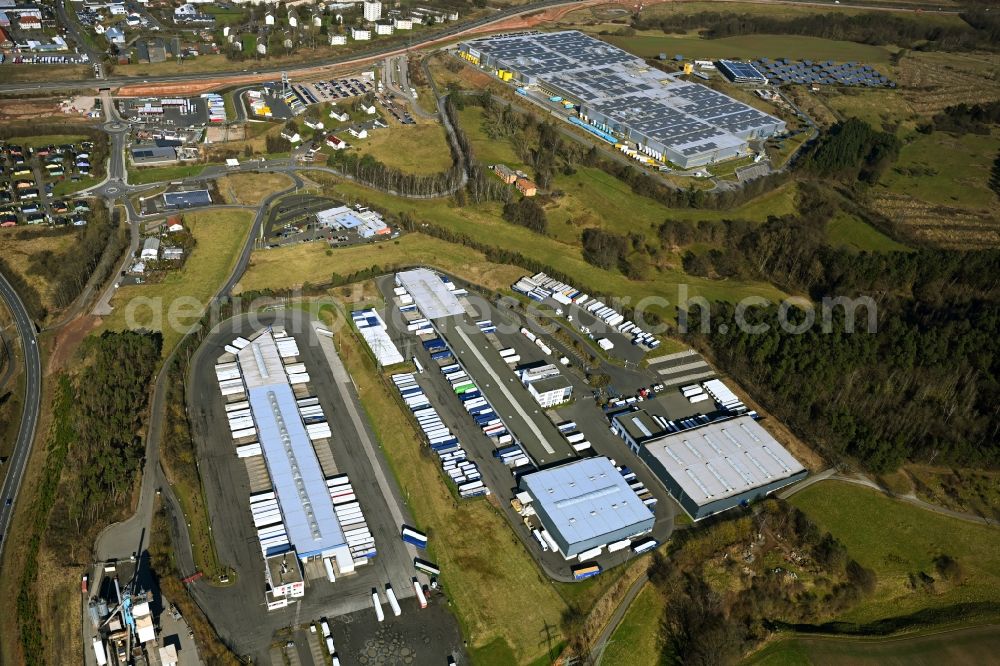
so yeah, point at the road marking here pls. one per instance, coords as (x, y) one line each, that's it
(503, 389)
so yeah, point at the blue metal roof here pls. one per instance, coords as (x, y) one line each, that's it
(586, 499)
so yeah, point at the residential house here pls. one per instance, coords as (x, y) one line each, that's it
(504, 173)
(526, 187)
(115, 36)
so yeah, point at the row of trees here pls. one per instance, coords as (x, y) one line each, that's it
(69, 271)
(980, 31)
(964, 119)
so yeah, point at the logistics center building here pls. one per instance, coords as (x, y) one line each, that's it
(713, 467)
(671, 120)
(586, 504)
(301, 490)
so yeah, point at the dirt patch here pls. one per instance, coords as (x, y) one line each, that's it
(67, 339)
(35, 108)
(223, 134)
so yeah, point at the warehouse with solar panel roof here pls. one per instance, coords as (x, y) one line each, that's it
(619, 97)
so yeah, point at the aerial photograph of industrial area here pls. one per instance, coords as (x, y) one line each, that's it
(500, 332)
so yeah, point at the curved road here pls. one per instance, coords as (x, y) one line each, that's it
(15, 466)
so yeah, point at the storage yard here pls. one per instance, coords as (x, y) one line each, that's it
(174, 112)
(619, 98)
(473, 398)
(283, 436)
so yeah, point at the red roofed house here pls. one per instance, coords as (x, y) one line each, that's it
(335, 143)
(526, 187)
(29, 22)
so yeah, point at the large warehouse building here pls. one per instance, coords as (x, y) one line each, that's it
(301, 490)
(685, 123)
(586, 504)
(713, 467)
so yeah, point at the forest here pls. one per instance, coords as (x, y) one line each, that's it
(704, 625)
(94, 453)
(980, 32)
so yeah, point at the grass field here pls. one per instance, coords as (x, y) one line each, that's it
(418, 149)
(508, 611)
(895, 540)
(978, 645)
(32, 73)
(946, 170)
(17, 252)
(879, 108)
(48, 139)
(636, 640)
(849, 231)
(485, 225)
(175, 304)
(66, 187)
(144, 175)
(650, 45)
(249, 189)
(270, 268)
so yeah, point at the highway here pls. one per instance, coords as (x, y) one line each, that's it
(14, 469)
(376, 53)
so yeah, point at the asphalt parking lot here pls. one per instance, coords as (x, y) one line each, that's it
(195, 114)
(419, 636)
(238, 611)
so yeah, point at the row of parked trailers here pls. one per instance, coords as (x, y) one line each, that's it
(352, 520)
(540, 286)
(464, 473)
(267, 520)
(576, 439)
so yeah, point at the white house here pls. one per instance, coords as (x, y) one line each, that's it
(359, 35)
(269, 19)
(115, 36)
(313, 124)
(338, 40)
(335, 143)
(402, 24)
(383, 28)
(175, 227)
(341, 117)
(358, 132)
(293, 20)
(293, 137)
(185, 11)
(116, 9)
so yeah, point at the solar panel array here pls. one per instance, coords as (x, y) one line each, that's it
(826, 72)
(741, 72)
(687, 122)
